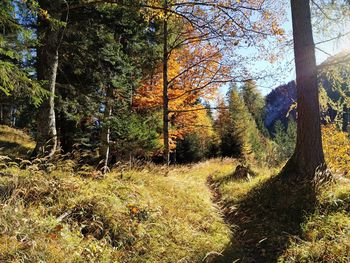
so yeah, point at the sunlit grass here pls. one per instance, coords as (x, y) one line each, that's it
(139, 216)
(14, 142)
(326, 233)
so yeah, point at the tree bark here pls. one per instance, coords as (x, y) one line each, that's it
(308, 152)
(106, 130)
(166, 153)
(47, 65)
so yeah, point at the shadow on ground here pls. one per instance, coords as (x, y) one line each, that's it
(264, 220)
(13, 149)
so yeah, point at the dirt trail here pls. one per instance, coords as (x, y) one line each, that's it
(263, 221)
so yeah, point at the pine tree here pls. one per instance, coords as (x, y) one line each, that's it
(285, 140)
(255, 103)
(18, 88)
(97, 88)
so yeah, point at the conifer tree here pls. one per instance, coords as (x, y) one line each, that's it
(255, 103)
(17, 85)
(236, 138)
(308, 155)
(50, 30)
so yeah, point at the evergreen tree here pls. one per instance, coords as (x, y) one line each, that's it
(189, 149)
(19, 90)
(285, 140)
(240, 116)
(231, 125)
(103, 61)
(255, 103)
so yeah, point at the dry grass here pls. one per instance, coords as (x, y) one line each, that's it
(15, 143)
(61, 214)
(326, 233)
(141, 217)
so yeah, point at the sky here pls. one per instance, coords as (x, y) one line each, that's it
(287, 62)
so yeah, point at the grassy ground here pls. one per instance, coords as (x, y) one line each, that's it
(325, 233)
(274, 220)
(142, 217)
(62, 214)
(15, 143)
(57, 212)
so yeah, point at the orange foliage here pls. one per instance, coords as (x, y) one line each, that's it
(194, 73)
(195, 68)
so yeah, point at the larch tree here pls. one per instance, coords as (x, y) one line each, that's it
(308, 155)
(255, 103)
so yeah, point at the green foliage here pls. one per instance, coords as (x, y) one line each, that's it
(189, 149)
(15, 78)
(238, 127)
(334, 93)
(285, 140)
(134, 134)
(255, 103)
(231, 125)
(126, 51)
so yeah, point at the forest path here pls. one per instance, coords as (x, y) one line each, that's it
(263, 219)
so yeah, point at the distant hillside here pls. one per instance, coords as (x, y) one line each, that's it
(278, 103)
(334, 83)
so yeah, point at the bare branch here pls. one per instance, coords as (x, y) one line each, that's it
(198, 109)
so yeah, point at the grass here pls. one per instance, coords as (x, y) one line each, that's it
(15, 143)
(326, 233)
(274, 220)
(263, 211)
(61, 213)
(69, 215)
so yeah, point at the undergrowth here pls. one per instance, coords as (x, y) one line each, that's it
(134, 216)
(326, 233)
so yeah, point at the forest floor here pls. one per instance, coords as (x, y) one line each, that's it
(65, 212)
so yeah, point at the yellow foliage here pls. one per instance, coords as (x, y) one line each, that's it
(336, 146)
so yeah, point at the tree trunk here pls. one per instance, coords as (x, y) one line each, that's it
(308, 152)
(65, 132)
(106, 130)
(166, 153)
(47, 65)
(5, 114)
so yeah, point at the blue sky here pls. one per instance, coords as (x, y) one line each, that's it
(287, 73)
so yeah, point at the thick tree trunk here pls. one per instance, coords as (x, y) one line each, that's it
(166, 153)
(308, 152)
(47, 65)
(6, 114)
(106, 130)
(65, 132)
